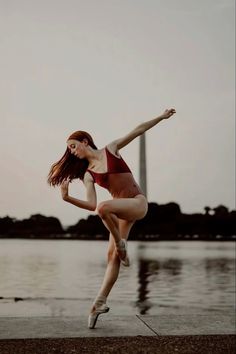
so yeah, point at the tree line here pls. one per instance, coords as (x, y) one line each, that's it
(162, 222)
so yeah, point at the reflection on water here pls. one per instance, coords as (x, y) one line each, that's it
(172, 267)
(56, 277)
(191, 275)
(143, 274)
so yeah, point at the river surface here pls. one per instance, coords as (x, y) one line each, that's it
(62, 277)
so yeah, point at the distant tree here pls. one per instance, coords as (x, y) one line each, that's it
(6, 224)
(36, 225)
(221, 210)
(207, 210)
(90, 226)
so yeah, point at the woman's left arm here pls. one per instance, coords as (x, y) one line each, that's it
(141, 128)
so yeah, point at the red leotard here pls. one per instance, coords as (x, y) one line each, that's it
(118, 179)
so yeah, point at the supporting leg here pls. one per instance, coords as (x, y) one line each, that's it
(113, 265)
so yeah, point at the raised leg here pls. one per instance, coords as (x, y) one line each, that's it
(126, 209)
(110, 220)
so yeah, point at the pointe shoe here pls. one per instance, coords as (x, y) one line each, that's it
(94, 315)
(122, 251)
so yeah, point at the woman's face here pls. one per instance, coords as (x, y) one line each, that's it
(77, 148)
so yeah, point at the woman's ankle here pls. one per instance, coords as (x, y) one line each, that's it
(120, 244)
(100, 300)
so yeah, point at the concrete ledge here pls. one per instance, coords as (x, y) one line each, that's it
(172, 333)
(192, 324)
(109, 325)
(64, 327)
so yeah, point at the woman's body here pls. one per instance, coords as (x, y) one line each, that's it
(108, 169)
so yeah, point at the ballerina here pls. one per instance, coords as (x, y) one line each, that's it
(105, 167)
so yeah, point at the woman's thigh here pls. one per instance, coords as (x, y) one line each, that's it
(129, 209)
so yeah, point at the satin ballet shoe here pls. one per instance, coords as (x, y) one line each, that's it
(94, 315)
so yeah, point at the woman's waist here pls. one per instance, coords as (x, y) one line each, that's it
(123, 185)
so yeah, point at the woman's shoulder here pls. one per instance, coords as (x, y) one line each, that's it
(88, 177)
(112, 148)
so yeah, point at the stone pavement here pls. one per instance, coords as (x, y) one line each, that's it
(117, 326)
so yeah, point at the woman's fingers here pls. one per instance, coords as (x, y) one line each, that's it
(169, 112)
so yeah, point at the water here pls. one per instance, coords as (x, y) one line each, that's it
(61, 277)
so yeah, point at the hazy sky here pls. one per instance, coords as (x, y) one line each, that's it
(105, 66)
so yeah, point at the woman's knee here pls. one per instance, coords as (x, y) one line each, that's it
(103, 209)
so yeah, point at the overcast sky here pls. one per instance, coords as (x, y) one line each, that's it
(105, 66)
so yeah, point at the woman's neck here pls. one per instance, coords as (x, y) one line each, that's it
(95, 158)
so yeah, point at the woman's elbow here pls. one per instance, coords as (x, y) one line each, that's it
(92, 207)
(141, 128)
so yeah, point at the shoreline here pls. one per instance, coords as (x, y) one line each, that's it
(151, 238)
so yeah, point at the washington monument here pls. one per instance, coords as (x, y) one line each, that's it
(142, 164)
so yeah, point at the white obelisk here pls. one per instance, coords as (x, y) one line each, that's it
(142, 164)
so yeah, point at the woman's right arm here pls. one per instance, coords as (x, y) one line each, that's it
(90, 203)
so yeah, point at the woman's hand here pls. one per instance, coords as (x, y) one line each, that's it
(64, 189)
(168, 113)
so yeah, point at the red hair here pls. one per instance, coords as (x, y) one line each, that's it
(69, 166)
